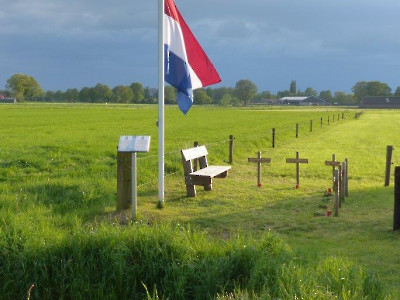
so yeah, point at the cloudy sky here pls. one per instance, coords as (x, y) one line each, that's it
(320, 44)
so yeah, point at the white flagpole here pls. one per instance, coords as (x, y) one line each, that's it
(160, 103)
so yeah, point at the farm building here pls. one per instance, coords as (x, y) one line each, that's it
(306, 101)
(380, 102)
(7, 100)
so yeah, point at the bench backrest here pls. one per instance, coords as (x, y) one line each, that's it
(194, 153)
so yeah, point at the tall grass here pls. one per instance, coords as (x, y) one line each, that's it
(114, 262)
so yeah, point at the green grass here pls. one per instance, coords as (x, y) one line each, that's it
(57, 205)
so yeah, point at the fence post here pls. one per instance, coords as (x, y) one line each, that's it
(273, 137)
(396, 214)
(336, 189)
(195, 144)
(343, 182)
(389, 150)
(310, 125)
(231, 148)
(297, 130)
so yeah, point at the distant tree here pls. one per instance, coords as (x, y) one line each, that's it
(370, 88)
(326, 95)
(71, 95)
(293, 88)
(266, 95)
(169, 94)
(397, 92)
(226, 100)
(59, 96)
(49, 96)
(101, 93)
(138, 92)
(245, 90)
(282, 94)
(310, 92)
(24, 87)
(84, 95)
(150, 95)
(122, 94)
(220, 92)
(200, 97)
(342, 98)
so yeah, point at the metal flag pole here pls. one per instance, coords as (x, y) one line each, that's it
(161, 103)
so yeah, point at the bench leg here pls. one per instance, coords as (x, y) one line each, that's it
(191, 190)
(208, 187)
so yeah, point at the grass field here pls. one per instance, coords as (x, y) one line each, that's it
(58, 185)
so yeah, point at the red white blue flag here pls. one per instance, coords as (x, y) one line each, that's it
(187, 67)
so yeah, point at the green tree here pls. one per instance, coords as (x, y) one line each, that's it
(282, 94)
(293, 88)
(49, 96)
(101, 93)
(226, 100)
(122, 94)
(59, 96)
(326, 95)
(370, 88)
(71, 95)
(138, 92)
(342, 98)
(245, 91)
(310, 92)
(200, 96)
(169, 95)
(150, 95)
(24, 87)
(84, 95)
(397, 92)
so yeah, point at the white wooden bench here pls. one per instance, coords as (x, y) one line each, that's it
(204, 175)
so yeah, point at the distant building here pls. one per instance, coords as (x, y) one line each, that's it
(264, 102)
(380, 102)
(3, 99)
(303, 101)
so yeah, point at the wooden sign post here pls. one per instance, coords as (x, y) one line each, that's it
(333, 163)
(259, 161)
(297, 161)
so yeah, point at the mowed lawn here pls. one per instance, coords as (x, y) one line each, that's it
(58, 171)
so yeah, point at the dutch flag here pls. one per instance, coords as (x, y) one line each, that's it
(187, 67)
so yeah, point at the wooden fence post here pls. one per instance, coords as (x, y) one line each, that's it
(273, 137)
(389, 150)
(231, 138)
(336, 189)
(195, 144)
(343, 182)
(297, 130)
(396, 214)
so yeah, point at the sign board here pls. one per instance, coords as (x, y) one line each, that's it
(139, 143)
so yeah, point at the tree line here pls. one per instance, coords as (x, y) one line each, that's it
(25, 88)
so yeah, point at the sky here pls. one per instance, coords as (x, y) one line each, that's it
(326, 45)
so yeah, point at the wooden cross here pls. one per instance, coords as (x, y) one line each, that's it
(259, 161)
(297, 161)
(333, 163)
